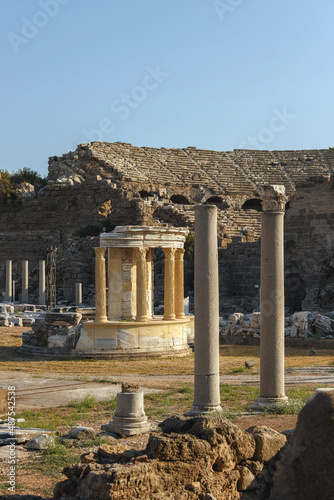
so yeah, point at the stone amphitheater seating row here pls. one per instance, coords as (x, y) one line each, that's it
(234, 172)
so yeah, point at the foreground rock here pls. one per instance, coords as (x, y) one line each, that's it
(306, 469)
(188, 458)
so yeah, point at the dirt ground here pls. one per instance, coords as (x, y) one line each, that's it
(44, 384)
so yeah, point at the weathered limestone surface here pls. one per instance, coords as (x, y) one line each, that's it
(188, 458)
(305, 471)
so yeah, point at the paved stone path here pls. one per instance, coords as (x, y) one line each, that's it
(41, 392)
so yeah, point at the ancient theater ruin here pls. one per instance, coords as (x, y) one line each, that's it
(103, 185)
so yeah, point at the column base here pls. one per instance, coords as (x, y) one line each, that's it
(142, 318)
(169, 317)
(180, 316)
(202, 410)
(128, 426)
(262, 403)
(102, 319)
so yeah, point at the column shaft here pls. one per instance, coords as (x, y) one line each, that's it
(141, 297)
(100, 286)
(169, 283)
(25, 281)
(9, 281)
(115, 284)
(42, 282)
(272, 299)
(179, 284)
(78, 294)
(207, 394)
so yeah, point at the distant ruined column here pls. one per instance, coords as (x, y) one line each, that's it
(272, 298)
(179, 284)
(42, 282)
(100, 286)
(78, 294)
(9, 281)
(141, 296)
(207, 393)
(25, 281)
(169, 284)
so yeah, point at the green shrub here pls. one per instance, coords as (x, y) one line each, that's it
(6, 186)
(26, 174)
(94, 230)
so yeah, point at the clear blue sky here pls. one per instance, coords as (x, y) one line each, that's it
(173, 73)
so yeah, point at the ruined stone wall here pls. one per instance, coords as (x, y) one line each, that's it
(108, 184)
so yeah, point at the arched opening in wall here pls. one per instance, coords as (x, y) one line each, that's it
(218, 201)
(295, 290)
(178, 199)
(144, 194)
(252, 204)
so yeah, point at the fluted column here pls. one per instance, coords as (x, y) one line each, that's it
(100, 286)
(42, 282)
(24, 281)
(141, 295)
(9, 281)
(272, 298)
(169, 284)
(179, 284)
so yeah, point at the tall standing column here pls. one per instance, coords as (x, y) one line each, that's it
(42, 282)
(100, 286)
(179, 284)
(25, 281)
(169, 283)
(206, 294)
(9, 281)
(78, 294)
(141, 295)
(272, 298)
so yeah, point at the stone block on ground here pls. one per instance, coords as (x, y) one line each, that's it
(82, 433)
(41, 442)
(268, 442)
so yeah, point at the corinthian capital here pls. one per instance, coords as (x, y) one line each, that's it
(273, 198)
(99, 252)
(169, 253)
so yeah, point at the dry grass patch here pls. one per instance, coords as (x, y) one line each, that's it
(232, 360)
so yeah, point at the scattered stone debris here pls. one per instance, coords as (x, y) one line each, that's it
(41, 442)
(300, 324)
(82, 433)
(199, 457)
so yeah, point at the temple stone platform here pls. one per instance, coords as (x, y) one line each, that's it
(157, 336)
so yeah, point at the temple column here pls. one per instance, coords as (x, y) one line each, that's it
(9, 281)
(24, 281)
(272, 298)
(206, 294)
(150, 283)
(100, 286)
(42, 282)
(179, 284)
(141, 292)
(115, 284)
(169, 283)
